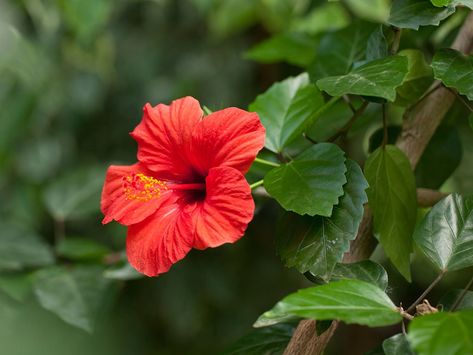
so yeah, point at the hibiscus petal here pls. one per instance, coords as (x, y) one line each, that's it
(164, 137)
(125, 206)
(161, 240)
(226, 211)
(230, 137)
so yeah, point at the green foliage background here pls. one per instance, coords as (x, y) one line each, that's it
(74, 75)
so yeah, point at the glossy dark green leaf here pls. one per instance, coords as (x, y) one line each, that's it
(378, 78)
(442, 333)
(397, 345)
(314, 179)
(351, 301)
(418, 79)
(455, 70)
(448, 300)
(337, 51)
(293, 48)
(445, 235)
(21, 249)
(267, 340)
(75, 248)
(318, 243)
(377, 46)
(75, 194)
(286, 108)
(392, 198)
(79, 296)
(365, 270)
(415, 13)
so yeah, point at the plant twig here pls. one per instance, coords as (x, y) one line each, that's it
(462, 295)
(350, 123)
(396, 40)
(461, 98)
(426, 292)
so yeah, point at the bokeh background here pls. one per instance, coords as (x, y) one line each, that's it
(74, 76)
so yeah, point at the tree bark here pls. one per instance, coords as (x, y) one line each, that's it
(417, 130)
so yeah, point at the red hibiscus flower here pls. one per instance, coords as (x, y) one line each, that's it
(187, 189)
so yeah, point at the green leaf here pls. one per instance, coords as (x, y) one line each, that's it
(470, 120)
(286, 108)
(378, 78)
(337, 51)
(418, 79)
(327, 17)
(81, 249)
(122, 272)
(21, 249)
(318, 243)
(75, 194)
(397, 345)
(314, 179)
(351, 301)
(448, 300)
(442, 333)
(392, 198)
(78, 296)
(440, 3)
(377, 46)
(293, 48)
(268, 340)
(455, 70)
(373, 10)
(415, 13)
(445, 235)
(365, 270)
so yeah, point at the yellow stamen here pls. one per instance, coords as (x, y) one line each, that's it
(142, 188)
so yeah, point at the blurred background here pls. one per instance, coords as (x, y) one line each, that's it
(74, 76)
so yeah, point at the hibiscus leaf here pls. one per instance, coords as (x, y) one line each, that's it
(21, 248)
(397, 345)
(337, 51)
(351, 301)
(415, 13)
(445, 235)
(365, 270)
(378, 78)
(75, 248)
(455, 70)
(315, 180)
(79, 296)
(266, 340)
(417, 80)
(442, 333)
(286, 109)
(392, 198)
(294, 48)
(75, 194)
(318, 243)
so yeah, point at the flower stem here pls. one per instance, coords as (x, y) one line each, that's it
(256, 184)
(266, 162)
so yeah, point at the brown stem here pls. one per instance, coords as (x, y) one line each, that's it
(462, 295)
(426, 292)
(428, 198)
(417, 130)
(350, 123)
